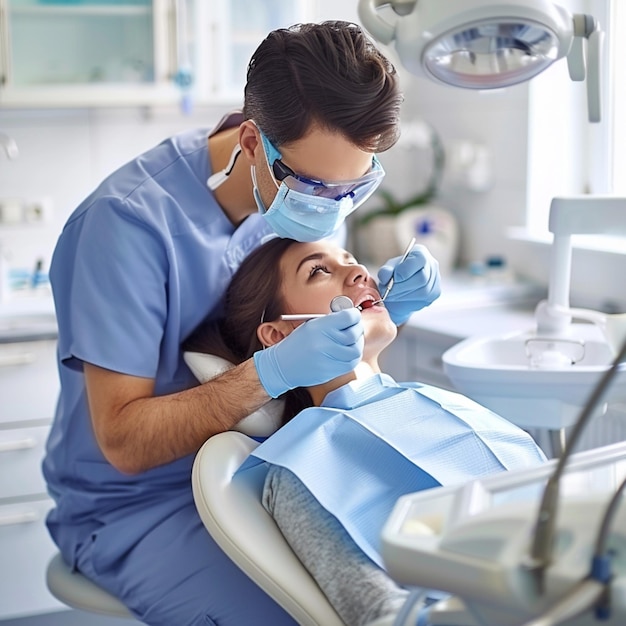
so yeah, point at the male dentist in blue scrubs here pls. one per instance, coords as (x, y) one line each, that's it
(138, 265)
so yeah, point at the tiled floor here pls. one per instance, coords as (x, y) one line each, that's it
(69, 618)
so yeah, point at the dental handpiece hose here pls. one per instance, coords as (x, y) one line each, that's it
(404, 256)
(543, 541)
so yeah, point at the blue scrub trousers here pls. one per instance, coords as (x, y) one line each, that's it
(176, 575)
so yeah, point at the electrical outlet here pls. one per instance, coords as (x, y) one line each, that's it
(25, 210)
(37, 210)
(10, 211)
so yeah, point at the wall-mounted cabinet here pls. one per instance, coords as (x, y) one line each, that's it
(90, 53)
(87, 52)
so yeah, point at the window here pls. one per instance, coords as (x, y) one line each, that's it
(618, 97)
(567, 154)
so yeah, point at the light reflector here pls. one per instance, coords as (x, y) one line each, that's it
(491, 53)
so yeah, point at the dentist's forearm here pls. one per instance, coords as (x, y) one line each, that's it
(137, 431)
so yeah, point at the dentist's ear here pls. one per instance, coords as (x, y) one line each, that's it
(270, 333)
(249, 140)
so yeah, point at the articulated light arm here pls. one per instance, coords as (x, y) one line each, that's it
(478, 44)
(379, 28)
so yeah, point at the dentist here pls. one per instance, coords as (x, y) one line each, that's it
(135, 270)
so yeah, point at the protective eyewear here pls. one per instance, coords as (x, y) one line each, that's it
(358, 189)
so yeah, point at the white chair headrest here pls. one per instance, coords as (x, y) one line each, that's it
(263, 422)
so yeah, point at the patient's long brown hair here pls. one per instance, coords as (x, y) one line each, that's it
(253, 296)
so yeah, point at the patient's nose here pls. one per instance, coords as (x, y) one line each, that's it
(358, 274)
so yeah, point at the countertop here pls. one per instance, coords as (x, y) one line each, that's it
(469, 307)
(28, 316)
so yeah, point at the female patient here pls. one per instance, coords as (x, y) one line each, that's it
(359, 442)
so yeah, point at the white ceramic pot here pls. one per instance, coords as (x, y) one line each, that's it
(386, 236)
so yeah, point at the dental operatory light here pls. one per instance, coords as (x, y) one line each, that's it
(481, 44)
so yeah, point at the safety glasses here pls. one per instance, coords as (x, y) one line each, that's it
(358, 189)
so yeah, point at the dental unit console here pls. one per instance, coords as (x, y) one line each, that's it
(473, 541)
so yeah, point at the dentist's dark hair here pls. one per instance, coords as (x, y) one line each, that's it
(254, 295)
(330, 75)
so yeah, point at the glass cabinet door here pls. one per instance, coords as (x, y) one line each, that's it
(86, 50)
(58, 42)
(236, 29)
(72, 53)
(249, 23)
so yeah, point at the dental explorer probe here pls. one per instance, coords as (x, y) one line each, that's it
(391, 280)
(338, 303)
(301, 317)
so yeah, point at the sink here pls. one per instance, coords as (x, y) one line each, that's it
(544, 378)
(535, 381)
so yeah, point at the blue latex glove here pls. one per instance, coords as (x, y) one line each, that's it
(416, 283)
(315, 352)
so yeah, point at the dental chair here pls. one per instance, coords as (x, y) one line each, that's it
(230, 507)
(231, 510)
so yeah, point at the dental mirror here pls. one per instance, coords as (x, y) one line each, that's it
(340, 303)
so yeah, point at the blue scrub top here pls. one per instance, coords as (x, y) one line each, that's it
(138, 265)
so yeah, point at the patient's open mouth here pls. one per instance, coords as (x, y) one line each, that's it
(368, 303)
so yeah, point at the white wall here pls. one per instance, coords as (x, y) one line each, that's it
(498, 121)
(64, 153)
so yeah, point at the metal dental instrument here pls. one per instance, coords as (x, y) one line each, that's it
(297, 317)
(391, 280)
(338, 303)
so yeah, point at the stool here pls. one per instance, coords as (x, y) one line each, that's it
(78, 592)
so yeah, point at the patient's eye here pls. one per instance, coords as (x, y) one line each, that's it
(316, 269)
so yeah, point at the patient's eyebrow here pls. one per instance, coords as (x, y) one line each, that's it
(311, 257)
(320, 256)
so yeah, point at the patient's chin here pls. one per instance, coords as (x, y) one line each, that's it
(380, 331)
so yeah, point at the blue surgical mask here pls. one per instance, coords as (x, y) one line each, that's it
(302, 217)
(307, 210)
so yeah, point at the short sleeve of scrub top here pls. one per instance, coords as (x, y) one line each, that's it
(143, 260)
(118, 299)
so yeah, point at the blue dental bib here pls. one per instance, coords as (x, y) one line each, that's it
(374, 440)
